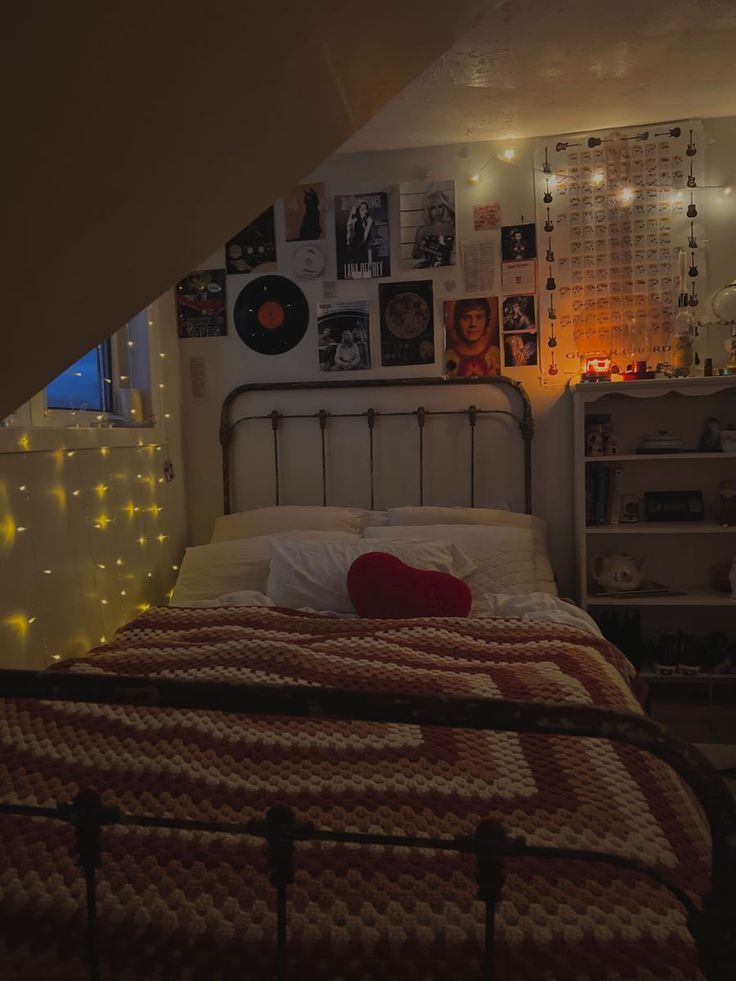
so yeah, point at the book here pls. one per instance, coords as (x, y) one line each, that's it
(614, 495)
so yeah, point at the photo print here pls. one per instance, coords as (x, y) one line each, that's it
(427, 224)
(518, 313)
(407, 323)
(472, 337)
(520, 350)
(362, 236)
(343, 331)
(518, 242)
(254, 246)
(200, 304)
(304, 207)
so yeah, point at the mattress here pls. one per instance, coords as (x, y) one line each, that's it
(176, 904)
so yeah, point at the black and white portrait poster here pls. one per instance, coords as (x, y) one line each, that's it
(254, 246)
(427, 224)
(518, 313)
(344, 336)
(520, 350)
(518, 242)
(304, 207)
(361, 236)
(472, 337)
(200, 304)
(407, 323)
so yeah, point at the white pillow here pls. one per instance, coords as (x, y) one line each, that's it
(504, 556)
(544, 577)
(209, 571)
(268, 521)
(314, 574)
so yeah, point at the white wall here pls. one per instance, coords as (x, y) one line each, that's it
(90, 532)
(228, 362)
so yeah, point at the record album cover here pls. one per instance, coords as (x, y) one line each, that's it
(407, 323)
(304, 207)
(344, 336)
(471, 337)
(253, 246)
(518, 313)
(362, 236)
(200, 304)
(427, 224)
(518, 242)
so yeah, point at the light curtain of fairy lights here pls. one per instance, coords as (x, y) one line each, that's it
(114, 499)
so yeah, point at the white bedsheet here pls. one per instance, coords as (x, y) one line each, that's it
(529, 606)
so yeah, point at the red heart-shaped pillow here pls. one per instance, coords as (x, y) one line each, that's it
(381, 585)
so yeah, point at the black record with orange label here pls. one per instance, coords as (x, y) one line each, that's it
(271, 314)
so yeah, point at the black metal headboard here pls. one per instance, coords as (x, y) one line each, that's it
(523, 419)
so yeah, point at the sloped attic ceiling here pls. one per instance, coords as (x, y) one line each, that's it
(140, 136)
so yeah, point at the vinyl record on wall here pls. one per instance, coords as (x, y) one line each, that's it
(271, 315)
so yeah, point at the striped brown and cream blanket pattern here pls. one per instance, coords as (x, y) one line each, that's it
(175, 905)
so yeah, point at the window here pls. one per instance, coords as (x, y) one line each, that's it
(86, 385)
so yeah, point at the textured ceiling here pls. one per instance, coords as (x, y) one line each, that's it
(535, 67)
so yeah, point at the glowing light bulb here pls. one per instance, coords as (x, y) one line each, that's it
(70, 452)
(142, 540)
(598, 177)
(144, 606)
(167, 415)
(161, 385)
(123, 592)
(161, 538)
(103, 639)
(474, 179)
(32, 619)
(101, 565)
(46, 572)
(728, 189)
(103, 602)
(22, 487)
(161, 354)
(118, 561)
(56, 657)
(21, 528)
(77, 374)
(76, 493)
(149, 575)
(103, 521)
(101, 489)
(508, 154)
(627, 195)
(24, 442)
(131, 343)
(175, 568)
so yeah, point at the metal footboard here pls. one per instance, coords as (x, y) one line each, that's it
(712, 923)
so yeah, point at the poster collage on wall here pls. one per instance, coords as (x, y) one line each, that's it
(483, 333)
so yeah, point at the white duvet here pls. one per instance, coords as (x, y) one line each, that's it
(529, 606)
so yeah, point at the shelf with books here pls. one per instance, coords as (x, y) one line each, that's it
(616, 495)
(678, 596)
(662, 528)
(659, 457)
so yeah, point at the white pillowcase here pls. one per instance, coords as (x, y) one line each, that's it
(504, 556)
(544, 577)
(314, 574)
(268, 521)
(209, 571)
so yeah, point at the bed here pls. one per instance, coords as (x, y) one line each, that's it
(232, 788)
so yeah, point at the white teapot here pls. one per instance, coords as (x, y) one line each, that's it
(617, 571)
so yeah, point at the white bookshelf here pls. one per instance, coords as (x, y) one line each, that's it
(679, 555)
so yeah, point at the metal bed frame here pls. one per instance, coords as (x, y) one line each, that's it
(712, 923)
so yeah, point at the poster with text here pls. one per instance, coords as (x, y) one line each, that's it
(472, 336)
(427, 224)
(200, 304)
(407, 323)
(253, 246)
(304, 207)
(362, 236)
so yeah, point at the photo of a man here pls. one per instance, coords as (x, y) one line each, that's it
(472, 337)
